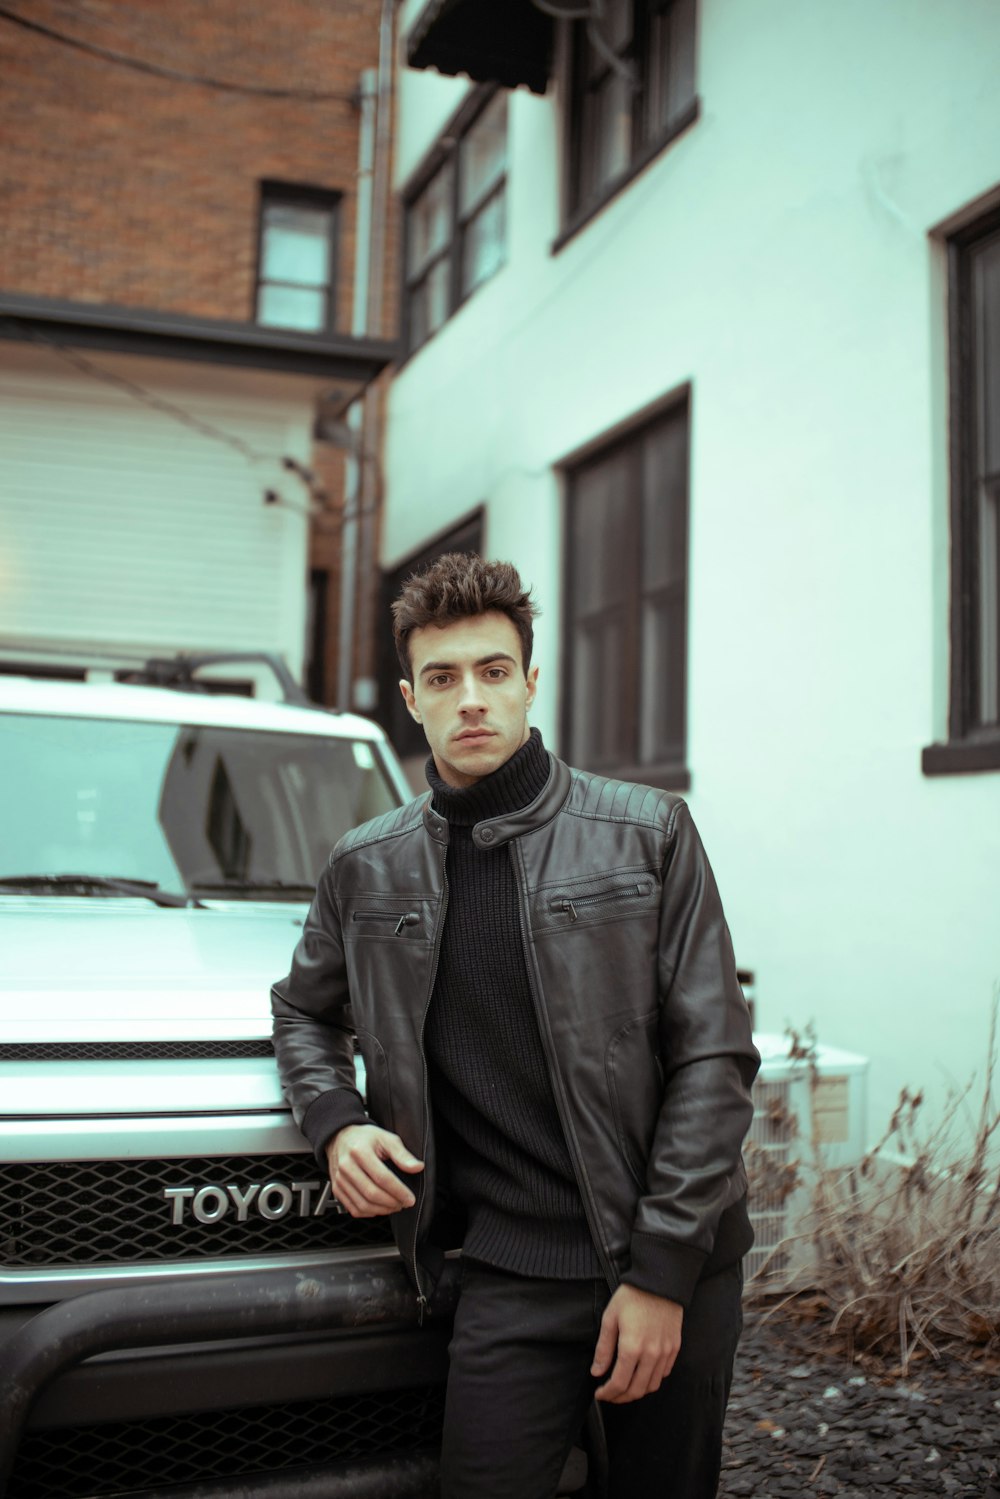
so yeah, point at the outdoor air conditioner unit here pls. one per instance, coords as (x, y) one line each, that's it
(809, 1112)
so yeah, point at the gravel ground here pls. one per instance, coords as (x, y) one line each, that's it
(807, 1425)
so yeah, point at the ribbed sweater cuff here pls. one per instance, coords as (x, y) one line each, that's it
(664, 1269)
(328, 1114)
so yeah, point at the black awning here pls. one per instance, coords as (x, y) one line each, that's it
(493, 41)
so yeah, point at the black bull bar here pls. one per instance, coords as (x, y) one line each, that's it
(208, 1307)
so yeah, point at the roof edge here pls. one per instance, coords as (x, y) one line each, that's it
(142, 330)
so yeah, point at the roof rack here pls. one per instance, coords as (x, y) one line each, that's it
(176, 672)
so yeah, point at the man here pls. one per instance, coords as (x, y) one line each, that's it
(540, 976)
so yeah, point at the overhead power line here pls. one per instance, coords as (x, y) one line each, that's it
(175, 75)
(137, 392)
(328, 517)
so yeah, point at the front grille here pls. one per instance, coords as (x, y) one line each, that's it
(235, 1444)
(115, 1212)
(130, 1051)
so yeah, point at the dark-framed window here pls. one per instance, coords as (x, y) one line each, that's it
(297, 258)
(456, 216)
(974, 689)
(624, 689)
(405, 735)
(631, 89)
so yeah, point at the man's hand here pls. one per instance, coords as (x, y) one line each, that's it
(361, 1181)
(646, 1332)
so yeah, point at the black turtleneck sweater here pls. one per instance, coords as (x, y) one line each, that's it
(497, 1129)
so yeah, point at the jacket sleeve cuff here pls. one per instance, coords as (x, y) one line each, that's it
(328, 1114)
(664, 1269)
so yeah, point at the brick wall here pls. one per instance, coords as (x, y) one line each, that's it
(119, 187)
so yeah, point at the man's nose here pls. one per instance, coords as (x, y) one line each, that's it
(471, 698)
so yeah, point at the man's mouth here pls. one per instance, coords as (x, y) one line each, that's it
(472, 736)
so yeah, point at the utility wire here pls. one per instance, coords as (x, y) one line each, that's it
(328, 517)
(175, 75)
(137, 392)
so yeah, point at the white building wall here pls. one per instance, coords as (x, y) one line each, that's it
(124, 527)
(780, 258)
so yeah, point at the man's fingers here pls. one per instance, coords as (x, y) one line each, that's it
(606, 1342)
(399, 1155)
(641, 1333)
(364, 1195)
(369, 1176)
(616, 1388)
(361, 1180)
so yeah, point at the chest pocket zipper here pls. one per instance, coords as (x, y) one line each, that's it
(409, 918)
(571, 908)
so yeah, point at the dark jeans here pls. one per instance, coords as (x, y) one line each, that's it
(519, 1387)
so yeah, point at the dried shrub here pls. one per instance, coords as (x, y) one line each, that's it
(905, 1247)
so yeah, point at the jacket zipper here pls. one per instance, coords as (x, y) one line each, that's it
(622, 892)
(555, 1077)
(409, 918)
(426, 1131)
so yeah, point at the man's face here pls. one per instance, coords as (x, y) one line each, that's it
(470, 694)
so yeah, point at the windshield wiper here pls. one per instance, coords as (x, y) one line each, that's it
(284, 887)
(86, 884)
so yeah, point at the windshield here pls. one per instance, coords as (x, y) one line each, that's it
(191, 809)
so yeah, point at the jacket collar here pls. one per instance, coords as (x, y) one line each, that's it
(495, 831)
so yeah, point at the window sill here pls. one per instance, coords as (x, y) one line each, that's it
(590, 210)
(961, 756)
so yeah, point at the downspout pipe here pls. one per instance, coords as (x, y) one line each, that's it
(369, 495)
(354, 477)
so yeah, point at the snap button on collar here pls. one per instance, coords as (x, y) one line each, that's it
(486, 835)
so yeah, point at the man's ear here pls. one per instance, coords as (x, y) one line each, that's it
(409, 699)
(532, 685)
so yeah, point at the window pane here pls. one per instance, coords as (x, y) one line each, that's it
(989, 603)
(483, 154)
(606, 144)
(985, 270)
(429, 221)
(429, 303)
(599, 733)
(291, 307)
(615, 28)
(985, 262)
(664, 503)
(296, 244)
(626, 601)
(661, 698)
(670, 65)
(600, 528)
(681, 56)
(483, 243)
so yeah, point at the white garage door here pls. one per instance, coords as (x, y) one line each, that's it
(120, 526)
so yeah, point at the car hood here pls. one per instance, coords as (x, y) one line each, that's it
(99, 971)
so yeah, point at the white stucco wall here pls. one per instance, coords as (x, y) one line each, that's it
(779, 257)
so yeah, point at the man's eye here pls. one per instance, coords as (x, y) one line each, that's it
(439, 681)
(496, 672)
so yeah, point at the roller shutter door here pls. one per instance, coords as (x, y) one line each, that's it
(122, 527)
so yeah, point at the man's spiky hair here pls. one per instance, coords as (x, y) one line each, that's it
(460, 585)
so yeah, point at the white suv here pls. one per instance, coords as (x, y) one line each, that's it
(158, 849)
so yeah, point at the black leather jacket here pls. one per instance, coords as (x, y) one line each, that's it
(644, 1025)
